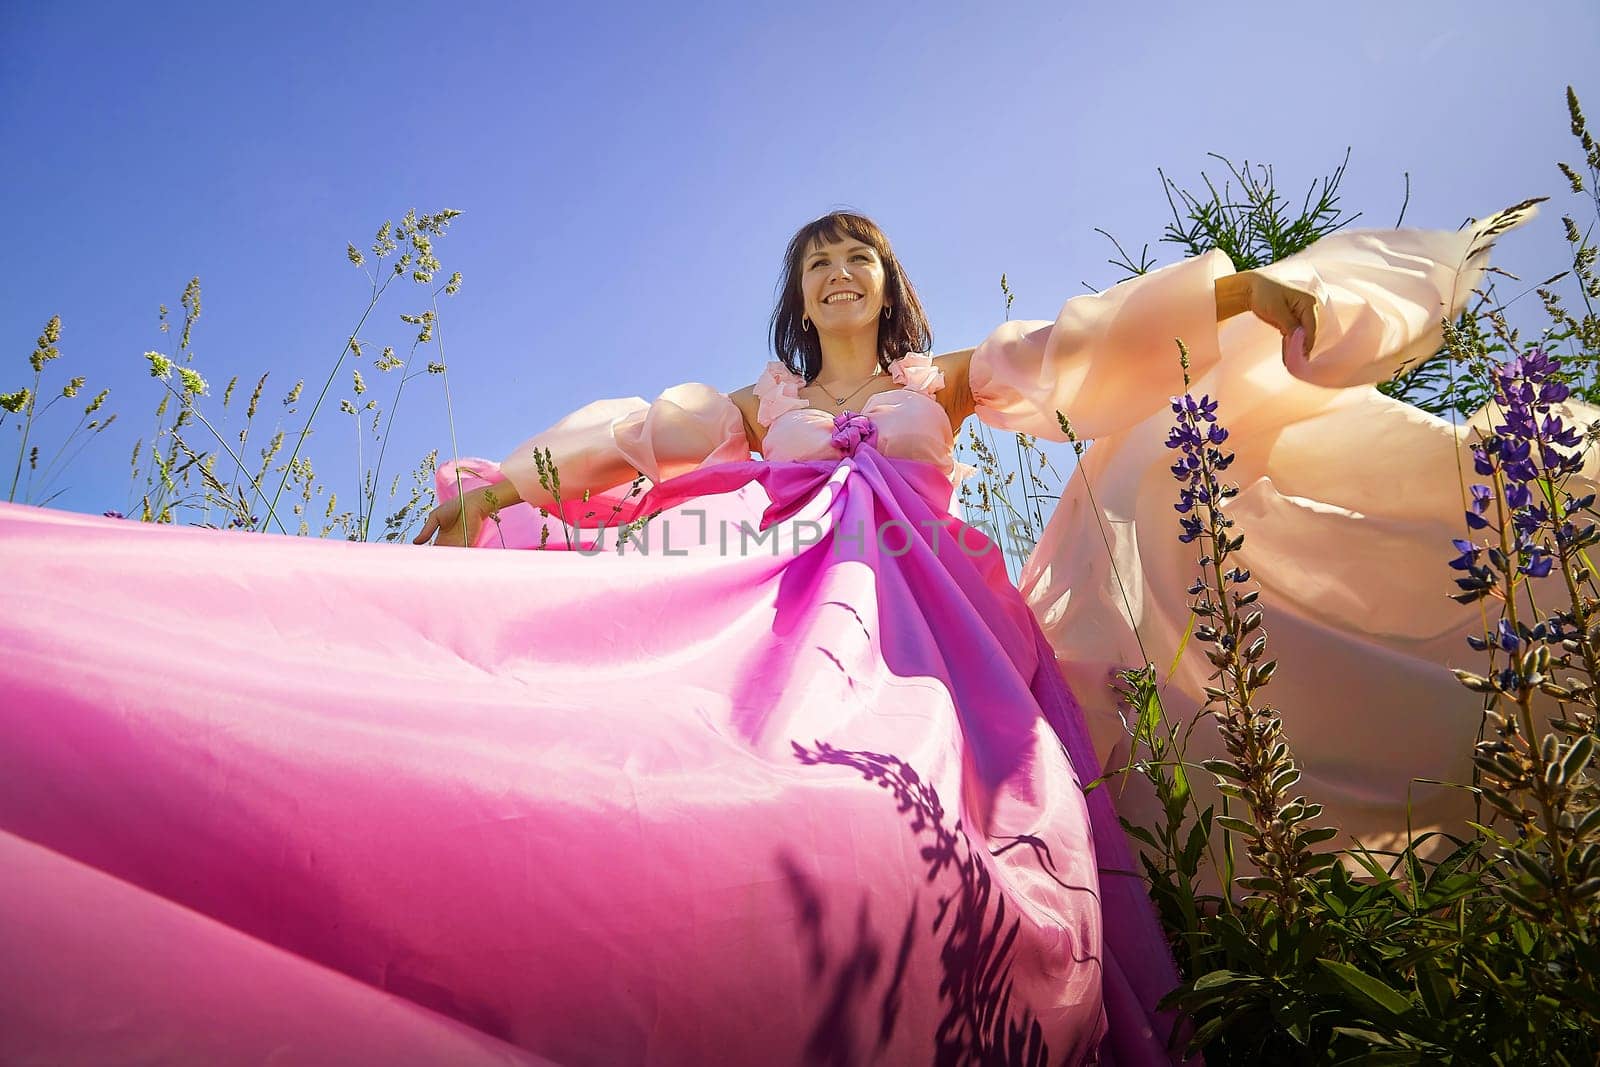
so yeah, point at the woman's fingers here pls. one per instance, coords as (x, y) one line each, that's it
(1306, 316)
(1293, 313)
(428, 528)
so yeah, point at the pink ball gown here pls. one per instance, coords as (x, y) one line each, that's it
(792, 778)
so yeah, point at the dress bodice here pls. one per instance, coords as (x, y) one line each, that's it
(910, 422)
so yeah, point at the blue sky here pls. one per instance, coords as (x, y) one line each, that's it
(628, 175)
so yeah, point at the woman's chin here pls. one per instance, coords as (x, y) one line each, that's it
(847, 322)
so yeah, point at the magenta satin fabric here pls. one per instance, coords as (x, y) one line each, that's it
(307, 801)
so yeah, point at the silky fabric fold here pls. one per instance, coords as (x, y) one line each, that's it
(755, 806)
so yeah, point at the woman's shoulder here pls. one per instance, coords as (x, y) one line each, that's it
(956, 395)
(749, 404)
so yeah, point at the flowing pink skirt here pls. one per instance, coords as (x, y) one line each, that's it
(810, 801)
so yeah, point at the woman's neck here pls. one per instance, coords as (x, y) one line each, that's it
(848, 359)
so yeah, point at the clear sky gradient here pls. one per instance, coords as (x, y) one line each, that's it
(629, 174)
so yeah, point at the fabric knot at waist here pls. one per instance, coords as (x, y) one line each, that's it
(851, 431)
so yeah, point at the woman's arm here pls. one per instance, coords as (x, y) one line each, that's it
(749, 405)
(458, 521)
(956, 396)
(600, 449)
(1283, 307)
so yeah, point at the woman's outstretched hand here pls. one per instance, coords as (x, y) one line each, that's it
(1284, 307)
(458, 522)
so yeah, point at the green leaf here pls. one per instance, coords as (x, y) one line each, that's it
(1371, 1037)
(1208, 1032)
(1366, 987)
(1307, 838)
(1577, 758)
(1257, 883)
(1437, 995)
(1221, 978)
(1195, 845)
(1183, 643)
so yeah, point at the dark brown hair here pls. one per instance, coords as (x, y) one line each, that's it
(906, 330)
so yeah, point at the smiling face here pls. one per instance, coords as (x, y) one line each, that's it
(842, 283)
(839, 276)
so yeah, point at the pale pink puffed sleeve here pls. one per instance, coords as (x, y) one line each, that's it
(1109, 359)
(1382, 295)
(609, 443)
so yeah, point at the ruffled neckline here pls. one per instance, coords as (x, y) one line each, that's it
(916, 371)
(778, 388)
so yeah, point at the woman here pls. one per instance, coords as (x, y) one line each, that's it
(840, 273)
(849, 330)
(669, 805)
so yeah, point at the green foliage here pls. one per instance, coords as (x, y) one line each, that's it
(22, 409)
(196, 464)
(1254, 224)
(1487, 955)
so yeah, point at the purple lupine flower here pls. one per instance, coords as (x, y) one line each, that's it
(1537, 563)
(1528, 452)
(1507, 637)
(1196, 436)
(1469, 554)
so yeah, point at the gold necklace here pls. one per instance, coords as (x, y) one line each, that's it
(838, 401)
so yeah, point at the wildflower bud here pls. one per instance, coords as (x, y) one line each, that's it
(1474, 682)
(45, 350)
(1260, 676)
(193, 384)
(160, 366)
(354, 255)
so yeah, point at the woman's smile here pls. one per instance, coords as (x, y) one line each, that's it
(843, 285)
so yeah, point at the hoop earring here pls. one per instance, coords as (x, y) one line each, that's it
(888, 312)
(805, 324)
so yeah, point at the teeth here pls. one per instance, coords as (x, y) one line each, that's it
(837, 298)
